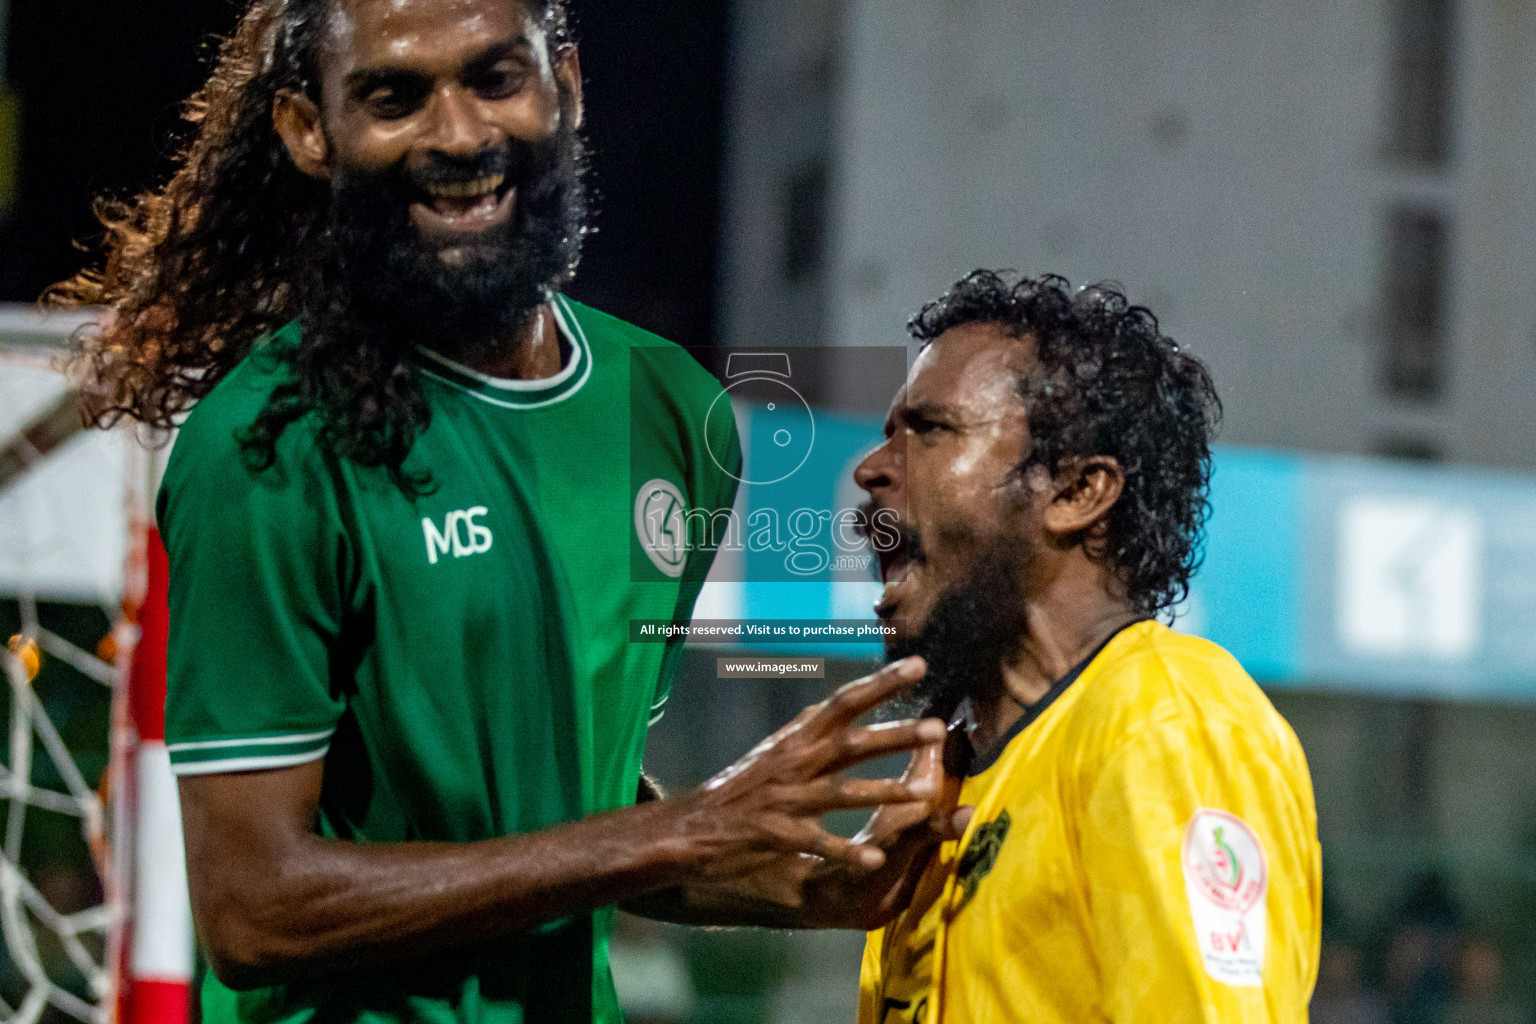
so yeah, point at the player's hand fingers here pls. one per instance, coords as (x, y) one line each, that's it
(874, 792)
(870, 741)
(860, 855)
(861, 695)
(951, 824)
(927, 763)
(834, 795)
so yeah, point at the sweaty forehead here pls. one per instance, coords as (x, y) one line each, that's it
(361, 32)
(973, 368)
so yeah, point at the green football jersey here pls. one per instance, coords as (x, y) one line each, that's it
(460, 656)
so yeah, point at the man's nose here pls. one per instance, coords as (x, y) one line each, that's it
(458, 126)
(881, 468)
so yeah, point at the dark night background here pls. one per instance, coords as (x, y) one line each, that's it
(101, 83)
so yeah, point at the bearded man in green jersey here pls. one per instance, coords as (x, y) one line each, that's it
(400, 518)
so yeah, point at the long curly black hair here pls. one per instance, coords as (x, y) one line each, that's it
(200, 268)
(1107, 382)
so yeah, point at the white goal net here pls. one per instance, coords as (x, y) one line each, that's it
(73, 511)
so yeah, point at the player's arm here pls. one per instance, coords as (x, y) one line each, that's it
(800, 891)
(808, 891)
(1173, 950)
(275, 902)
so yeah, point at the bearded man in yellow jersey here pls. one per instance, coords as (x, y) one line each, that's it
(1143, 840)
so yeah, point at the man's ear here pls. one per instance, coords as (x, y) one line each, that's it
(297, 120)
(1086, 489)
(568, 71)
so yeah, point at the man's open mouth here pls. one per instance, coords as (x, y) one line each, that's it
(894, 564)
(469, 205)
(894, 568)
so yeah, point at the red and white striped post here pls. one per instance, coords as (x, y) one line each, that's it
(156, 944)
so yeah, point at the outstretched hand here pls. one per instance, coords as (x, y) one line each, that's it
(770, 803)
(846, 896)
(939, 816)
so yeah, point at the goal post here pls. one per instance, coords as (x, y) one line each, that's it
(76, 526)
(156, 969)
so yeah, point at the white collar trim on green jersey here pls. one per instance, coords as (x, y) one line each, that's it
(522, 394)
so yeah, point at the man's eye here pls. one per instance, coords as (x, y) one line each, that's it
(390, 103)
(925, 428)
(499, 83)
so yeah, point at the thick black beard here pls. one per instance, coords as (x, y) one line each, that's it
(977, 627)
(383, 279)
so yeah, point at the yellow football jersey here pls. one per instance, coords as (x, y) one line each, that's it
(1144, 848)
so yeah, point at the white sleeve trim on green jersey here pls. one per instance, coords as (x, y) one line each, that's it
(657, 710)
(248, 753)
(256, 741)
(248, 764)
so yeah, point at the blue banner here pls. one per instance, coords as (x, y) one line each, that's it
(1329, 571)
